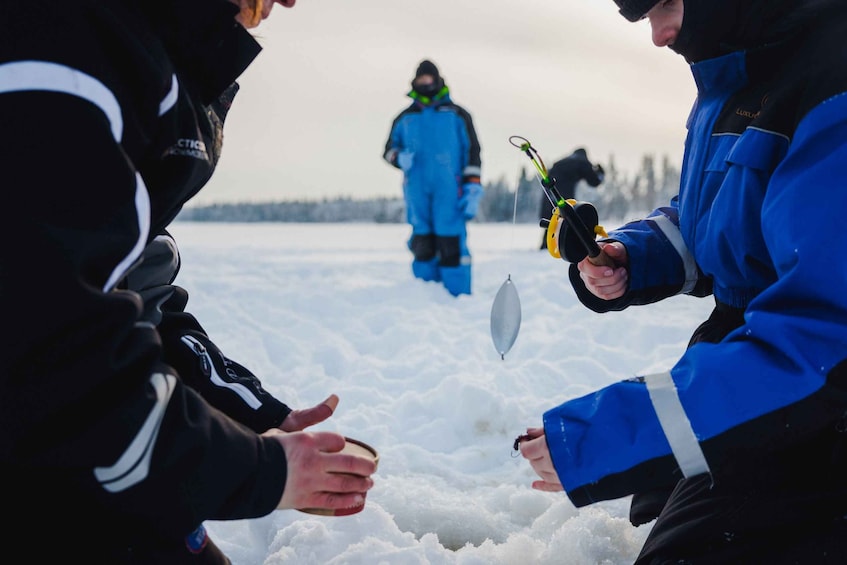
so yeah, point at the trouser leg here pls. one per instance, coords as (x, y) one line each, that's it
(702, 524)
(425, 262)
(454, 265)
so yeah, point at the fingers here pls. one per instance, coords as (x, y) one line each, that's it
(299, 420)
(535, 432)
(327, 442)
(547, 487)
(332, 402)
(535, 451)
(607, 283)
(319, 476)
(536, 448)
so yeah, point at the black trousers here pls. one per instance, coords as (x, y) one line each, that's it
(702, 524)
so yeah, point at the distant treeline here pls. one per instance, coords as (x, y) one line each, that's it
(618, 197)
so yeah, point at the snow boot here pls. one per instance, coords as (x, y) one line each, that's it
(426, 270)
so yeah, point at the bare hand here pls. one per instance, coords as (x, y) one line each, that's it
(299, 420)
(535, 450)
(603, 282)
(319, 476)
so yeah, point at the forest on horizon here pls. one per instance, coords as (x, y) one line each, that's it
(619, 196)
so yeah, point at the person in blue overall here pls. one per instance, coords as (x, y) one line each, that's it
(739, 449)
(434, 143)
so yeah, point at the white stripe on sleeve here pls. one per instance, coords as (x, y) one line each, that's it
(676, 425)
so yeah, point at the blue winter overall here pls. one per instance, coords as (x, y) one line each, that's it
(436, 146)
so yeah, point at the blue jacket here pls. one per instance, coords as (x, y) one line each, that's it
(762, 194)
(445, 154)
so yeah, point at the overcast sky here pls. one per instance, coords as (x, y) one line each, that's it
(315, 108)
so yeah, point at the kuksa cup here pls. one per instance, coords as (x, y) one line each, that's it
(355, 447)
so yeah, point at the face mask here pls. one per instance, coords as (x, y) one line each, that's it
(428, 90)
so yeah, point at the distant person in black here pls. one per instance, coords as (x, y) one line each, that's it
(568, 172)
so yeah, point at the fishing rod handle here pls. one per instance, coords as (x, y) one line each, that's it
(602, 260)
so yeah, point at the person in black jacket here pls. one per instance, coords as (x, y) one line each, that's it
(567, 173)
(124, 427)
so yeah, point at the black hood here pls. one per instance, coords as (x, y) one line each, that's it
(711, 28)
(205, 42)
(427, 67)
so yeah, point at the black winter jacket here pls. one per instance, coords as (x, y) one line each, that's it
(110, 120)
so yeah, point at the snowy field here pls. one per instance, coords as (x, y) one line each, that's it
(315, 309)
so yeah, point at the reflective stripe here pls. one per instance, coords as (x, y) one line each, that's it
(246, 395)
(133, 465)
(672, 233)
(472, 171)
(142, 211)
(52, 77)
(170, 99)
(675, 424)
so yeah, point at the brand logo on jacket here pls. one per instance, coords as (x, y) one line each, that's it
(189, 148)
(752, 114)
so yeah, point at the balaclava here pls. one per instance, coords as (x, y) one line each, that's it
(711, 28)
(427, 67)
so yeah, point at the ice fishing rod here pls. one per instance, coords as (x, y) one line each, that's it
(574, 240)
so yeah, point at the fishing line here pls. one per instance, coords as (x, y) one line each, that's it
(506, 309)
(568, 235)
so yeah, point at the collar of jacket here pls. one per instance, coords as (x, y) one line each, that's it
(209, 48)
(720, 74)
(440, 98)
(731, 71)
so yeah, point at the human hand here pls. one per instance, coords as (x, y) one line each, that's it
(320, 477)
(534, 449)
(254, 11)
(298, 420)
(405, 159)
(606, 283)
(469, 202)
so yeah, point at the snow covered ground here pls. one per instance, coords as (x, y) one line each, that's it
(315, 309)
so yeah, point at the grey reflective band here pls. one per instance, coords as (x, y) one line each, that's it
(242, 391)
(52, 77)
(142, 211)
(678, 431)
(771, 132)
(472, 171)
(133, 465)
(688, 263)
(170, 99)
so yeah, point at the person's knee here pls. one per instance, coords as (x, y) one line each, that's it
(423, 247)
(449, 251)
